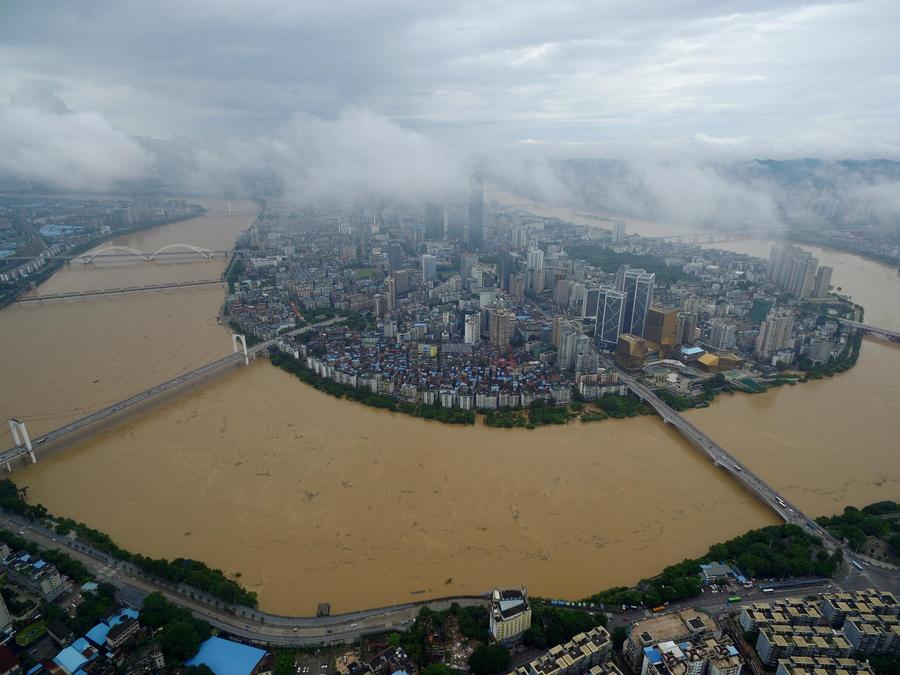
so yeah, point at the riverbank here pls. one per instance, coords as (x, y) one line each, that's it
(34, 281)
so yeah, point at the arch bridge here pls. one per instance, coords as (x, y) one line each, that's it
(128, 251)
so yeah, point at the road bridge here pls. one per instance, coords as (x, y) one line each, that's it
(722, 458)
(116, 291)
(241, 353)
(875, 331)
(168, 252)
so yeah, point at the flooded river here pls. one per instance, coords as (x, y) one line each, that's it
(312, 499)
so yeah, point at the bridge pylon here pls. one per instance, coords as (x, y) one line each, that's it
(21, 437)
(239, 344)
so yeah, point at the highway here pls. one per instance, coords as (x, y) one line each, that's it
(115, 291)
(244, 622)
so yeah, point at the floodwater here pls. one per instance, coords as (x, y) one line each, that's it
(312, 499)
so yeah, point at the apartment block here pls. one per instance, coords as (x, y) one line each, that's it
(872, 634)
(684, 626)
(822, 665)
(783, 641)
(790, 611)
(836, 607)
(582, 654)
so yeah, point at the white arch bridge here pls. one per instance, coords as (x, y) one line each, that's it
(168, 250)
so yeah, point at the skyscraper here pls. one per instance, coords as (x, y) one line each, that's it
(591, 304)
(467, 262)
(610, 317)
(434, 221)
(476, 213)
(395, 255)
(793, 269)
(390, 293)
(566, 352)
(662, 326)
(501, 326)
(472, 329)
(638, 287)
(618, 232)
(429, 268)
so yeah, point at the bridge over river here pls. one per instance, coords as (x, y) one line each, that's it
(724, 459)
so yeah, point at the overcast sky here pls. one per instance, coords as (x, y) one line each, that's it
(747, 79)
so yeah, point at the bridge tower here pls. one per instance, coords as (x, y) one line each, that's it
(238, 344)
(18, 427)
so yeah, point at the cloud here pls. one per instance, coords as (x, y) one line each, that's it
(44, 141)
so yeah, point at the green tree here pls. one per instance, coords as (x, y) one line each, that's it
(394, 640)
(441, 669)
(489, 660)
(619, 635)
(179, 641)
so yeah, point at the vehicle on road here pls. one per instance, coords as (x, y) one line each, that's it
(734, 598)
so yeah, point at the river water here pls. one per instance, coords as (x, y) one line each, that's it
(312, 499)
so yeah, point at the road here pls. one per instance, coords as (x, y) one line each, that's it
(246, 623)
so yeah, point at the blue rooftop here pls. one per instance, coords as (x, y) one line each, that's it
(98, 633)
(72, 657)
(225, 657)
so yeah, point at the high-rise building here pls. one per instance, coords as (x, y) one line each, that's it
(395, 255)
(589, 309)
(535, 259)
(775, 332)
(561, 292)
(380, 305)
(631, 351)
(685, 326)
(429, 268)
(662, 326)
(610, 317)
(823, 282)
(402, 281)
(793, 269)
(455, 217)
(517, 286)
(472, 333)
(519, 238)
(567, 350)
(476, 213)
(618, 232)
(501, 324)
(390, 293)
(721, 335)
(467, 262)
(638, 287)
(434, 221)
(510, 615)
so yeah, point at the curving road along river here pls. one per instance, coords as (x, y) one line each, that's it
(313, 499)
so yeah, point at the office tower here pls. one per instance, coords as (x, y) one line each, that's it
(662, 326)
(721, 335)
(591, 303)
(434, 221)
(561, 292)
(618, 231)
(402, 281)
(472, 333)
(501, 324)
(774, 332)
(390, 293)
(822, 283)
(638, 287)
(395, 255)
(565, 354)
(610, 317)
(517, 286)
(476, 213)
(631, 351)
(429, 268)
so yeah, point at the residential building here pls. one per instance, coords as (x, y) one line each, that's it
(472, 334)
(583, 653)
(510, 614)
(837, 607)
(37, 576)
(704, 656)
(822, 665)
(822, 283)
(618, 232)
(775, 332)
(872, 634)
(785, 611)
(780, 642)
(683, 626)
(501, 326)
(429, 268)
(721, 335)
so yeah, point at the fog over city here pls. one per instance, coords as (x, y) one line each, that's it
(404, 98)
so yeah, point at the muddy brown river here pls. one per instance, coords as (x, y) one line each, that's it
(312, 499)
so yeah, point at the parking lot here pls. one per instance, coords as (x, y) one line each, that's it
(314, 664)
